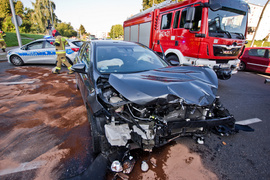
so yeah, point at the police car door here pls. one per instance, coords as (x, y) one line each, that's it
(36, 53)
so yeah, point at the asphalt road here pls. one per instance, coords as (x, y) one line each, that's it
(243, 156)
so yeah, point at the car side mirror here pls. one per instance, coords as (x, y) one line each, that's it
(215, 7)
(24, 48)
(79, 68)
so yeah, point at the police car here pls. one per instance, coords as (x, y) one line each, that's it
(41, 51)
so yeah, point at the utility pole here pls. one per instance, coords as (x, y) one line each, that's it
(51, 14)
(259, 23)
(15, 23)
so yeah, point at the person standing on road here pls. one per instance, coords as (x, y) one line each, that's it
(60, 43)
(2, 41)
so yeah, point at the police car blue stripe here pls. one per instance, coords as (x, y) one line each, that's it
(69, 51)
(36, 53)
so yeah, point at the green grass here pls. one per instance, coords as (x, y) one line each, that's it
(11, 38)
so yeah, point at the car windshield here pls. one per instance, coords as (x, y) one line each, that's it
(78, 43)
(126, 59)
(227, 22)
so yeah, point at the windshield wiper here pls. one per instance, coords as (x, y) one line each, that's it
(239, 34)
(226, 32)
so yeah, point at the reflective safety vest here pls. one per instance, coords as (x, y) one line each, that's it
(60, 43)
(2, 35)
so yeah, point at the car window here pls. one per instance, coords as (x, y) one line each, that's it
(35, 45)
(77, 43)
(48, 44)
(82, 49)
(166, 21)
(183, 18)
(257, 52)
(86, 55)
(126, 59)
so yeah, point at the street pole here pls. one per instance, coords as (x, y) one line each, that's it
(51, 14)
(15, 23)
(259, 23)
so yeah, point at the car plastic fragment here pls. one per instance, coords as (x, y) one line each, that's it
(144, 166)
(117, 135)
(116, 166)
(128, 165)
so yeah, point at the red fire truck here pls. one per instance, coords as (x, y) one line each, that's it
(194, 32)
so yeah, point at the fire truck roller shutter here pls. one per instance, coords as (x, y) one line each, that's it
(126, 33)
(144, 33)
(134, 33)
(176, 52)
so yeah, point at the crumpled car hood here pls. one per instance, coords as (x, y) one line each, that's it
(194, 85)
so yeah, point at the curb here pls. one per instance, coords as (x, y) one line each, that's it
(3, 55)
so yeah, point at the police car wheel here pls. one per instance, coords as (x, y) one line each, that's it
(16, 60)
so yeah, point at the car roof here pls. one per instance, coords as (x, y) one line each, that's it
(258, 48)
(112, 42)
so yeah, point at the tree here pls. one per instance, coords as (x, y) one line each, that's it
(6, 16)
(26, 26)
(18, 6)
(149, 3)
(42, 12)
(4, 8)
(116, 31)
(82, 30)
(65, 29)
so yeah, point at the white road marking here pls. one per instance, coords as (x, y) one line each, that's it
(248, 121)
(15, 83)
(23, 167)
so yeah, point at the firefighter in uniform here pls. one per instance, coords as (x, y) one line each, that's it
(2, 41)
(60, 43)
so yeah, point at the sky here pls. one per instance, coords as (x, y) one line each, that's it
(95, 15)
(98, 16)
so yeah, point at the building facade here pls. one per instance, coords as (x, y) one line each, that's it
(253, 18)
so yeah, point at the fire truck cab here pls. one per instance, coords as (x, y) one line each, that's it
(194, 32)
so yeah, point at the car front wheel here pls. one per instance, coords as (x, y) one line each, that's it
(16, 60)
(99, 142)
(242, 66)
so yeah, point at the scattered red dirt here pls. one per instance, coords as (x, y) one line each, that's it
(45, 122)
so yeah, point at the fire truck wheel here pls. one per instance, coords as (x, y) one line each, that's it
(172, 58)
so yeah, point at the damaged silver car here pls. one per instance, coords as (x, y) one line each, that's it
(135, 99)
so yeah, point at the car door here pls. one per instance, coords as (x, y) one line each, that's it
(185, 39)
(85, 80)
(32, 52)
(165, 30)
(37, 53)
(49, 55)
(257, 59)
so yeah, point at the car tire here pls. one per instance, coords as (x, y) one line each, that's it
(76, 79)
(172, 58)
(242, 66)
(97, 133)
(16, 60)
